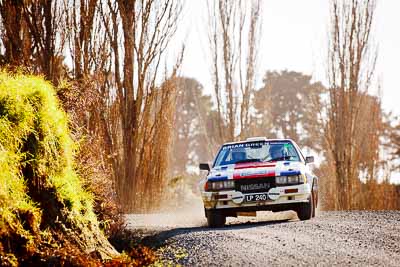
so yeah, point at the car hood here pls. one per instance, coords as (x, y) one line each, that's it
(256, 170)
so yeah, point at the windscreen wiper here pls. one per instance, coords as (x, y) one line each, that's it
(280, 158)
(248, 160)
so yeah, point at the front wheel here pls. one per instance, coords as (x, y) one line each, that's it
(306, 210)
(215, 219)
(315, 202)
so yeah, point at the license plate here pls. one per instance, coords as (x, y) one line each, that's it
(256, 197)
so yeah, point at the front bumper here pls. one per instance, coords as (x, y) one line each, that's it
(283, 197)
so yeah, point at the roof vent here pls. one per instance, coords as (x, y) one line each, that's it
(258, 138)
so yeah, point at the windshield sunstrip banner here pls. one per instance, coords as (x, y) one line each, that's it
(254, 144)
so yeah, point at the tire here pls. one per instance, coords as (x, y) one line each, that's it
(306, 210)
(315, 196)
(313, 209)
(215, 219)
(315, 202)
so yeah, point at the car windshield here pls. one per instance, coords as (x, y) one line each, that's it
(264, 151)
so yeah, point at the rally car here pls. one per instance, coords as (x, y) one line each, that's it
(258, 174)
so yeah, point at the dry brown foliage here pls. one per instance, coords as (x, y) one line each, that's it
(139, 112)
(355, 121)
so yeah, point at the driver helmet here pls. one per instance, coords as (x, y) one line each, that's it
(276, 151)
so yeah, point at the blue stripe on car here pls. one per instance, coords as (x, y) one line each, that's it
(288, 173)
(218, 178)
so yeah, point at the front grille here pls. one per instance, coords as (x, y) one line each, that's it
(254, 185)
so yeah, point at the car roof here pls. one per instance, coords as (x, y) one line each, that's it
(256, 139)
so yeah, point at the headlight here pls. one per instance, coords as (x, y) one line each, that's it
(294, 179)
(281, 180)
(220, 185)
(290, 180)
(229, 184)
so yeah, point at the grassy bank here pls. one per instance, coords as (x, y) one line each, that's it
(43, 206)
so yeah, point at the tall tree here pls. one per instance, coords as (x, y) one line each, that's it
(351, 67)
(139, 33)
(234, 54)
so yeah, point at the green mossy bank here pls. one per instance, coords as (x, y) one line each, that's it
(42, 202)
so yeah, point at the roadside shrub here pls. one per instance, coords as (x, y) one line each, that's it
(82, 102)
(42, 198)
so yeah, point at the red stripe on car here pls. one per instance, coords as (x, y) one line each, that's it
(252, 165)
(255, 175)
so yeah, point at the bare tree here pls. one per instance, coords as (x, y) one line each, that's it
(351, 68)
(86, 37)
(32, 36)
(145, 29)
(233, 61)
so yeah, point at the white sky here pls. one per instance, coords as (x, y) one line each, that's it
(294, 37)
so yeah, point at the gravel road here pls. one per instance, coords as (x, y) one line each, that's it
(332, 238)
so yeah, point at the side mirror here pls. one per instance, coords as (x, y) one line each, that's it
(309, 159)
(204, 167)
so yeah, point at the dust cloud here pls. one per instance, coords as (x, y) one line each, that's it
(190, 214)
(187, 213)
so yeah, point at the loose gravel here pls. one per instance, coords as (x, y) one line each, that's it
(362, 238)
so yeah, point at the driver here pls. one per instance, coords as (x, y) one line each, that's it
(238, 155)
(276, 151)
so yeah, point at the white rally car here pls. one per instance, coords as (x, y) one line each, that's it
(258, 174)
